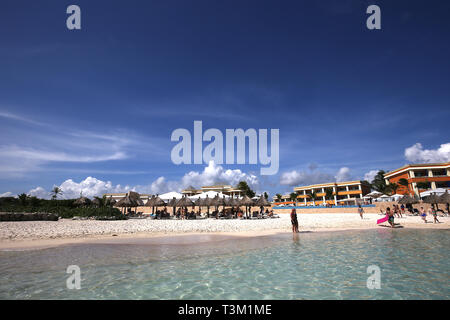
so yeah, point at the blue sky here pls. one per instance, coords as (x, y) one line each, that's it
(103, 101)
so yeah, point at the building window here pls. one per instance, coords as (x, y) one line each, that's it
(440, 172)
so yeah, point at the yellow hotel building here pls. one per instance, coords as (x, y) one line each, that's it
(343, 193)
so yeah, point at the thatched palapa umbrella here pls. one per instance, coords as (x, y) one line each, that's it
(199, 203)
(173, 203)
(208, 202)
(432, 199)
(247, 202)
(185, 202)
(149, 203)
(82, 202)
(408, 200)
(110, 201)
(262, 202)
(158, 202)
(131, 199)
(218, 201)
(444, 198)
(96, 202)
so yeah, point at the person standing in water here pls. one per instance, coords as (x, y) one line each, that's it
(360, 210)
(294, 221)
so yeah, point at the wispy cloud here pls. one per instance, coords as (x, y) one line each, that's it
(33, 148)
(12, 116)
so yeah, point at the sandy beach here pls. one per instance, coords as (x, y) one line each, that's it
(48, 233)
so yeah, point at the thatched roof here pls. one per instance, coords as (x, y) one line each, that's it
(149, 202)
(185, 202)
(408, 200)
(110, 201)
(208, 202)
(190, 188)
(158, 202)
(82, 201)
(432, 198)
(125, 202)
(246, 201)
(173, 202)
(231, 202)
(200, 202)
(96, 202)
(444, 198)
(218, 201)
(262, 201)
(131, 199)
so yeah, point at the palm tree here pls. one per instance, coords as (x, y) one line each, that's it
(329, 194)
(405, 183)
(313, 196)
(293, 197)
(55, 192)
(279, 196)
(393, 187)
(23, 199)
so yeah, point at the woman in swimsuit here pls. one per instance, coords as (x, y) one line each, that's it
(434, 214)
(294, 221)
(423, 214)
(360, 210)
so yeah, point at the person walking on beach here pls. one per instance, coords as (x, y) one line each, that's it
(423, 214)
(402, 209)
(294, 221)
(434, 214)
(390, 214)
(360, 210)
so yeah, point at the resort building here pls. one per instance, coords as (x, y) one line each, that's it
(428, 176)
(334, 193)
(285, 199)
(118, 196)
(225, 189)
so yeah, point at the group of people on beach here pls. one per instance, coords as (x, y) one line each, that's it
(398, 212)
(431, 212)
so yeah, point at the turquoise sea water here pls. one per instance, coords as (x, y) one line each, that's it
(414, 264)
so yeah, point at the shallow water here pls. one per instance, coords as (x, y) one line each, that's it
(326, 265)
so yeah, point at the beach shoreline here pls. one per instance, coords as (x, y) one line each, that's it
(45, 234)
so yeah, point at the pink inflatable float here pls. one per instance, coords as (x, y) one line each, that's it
(383, 219)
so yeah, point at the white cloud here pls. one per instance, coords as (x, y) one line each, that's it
(39, 192)
(343, 175)
(417, 154)
(369, 176)
(41, 155)
(297, 178)
(6, 194)
(212, 174)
